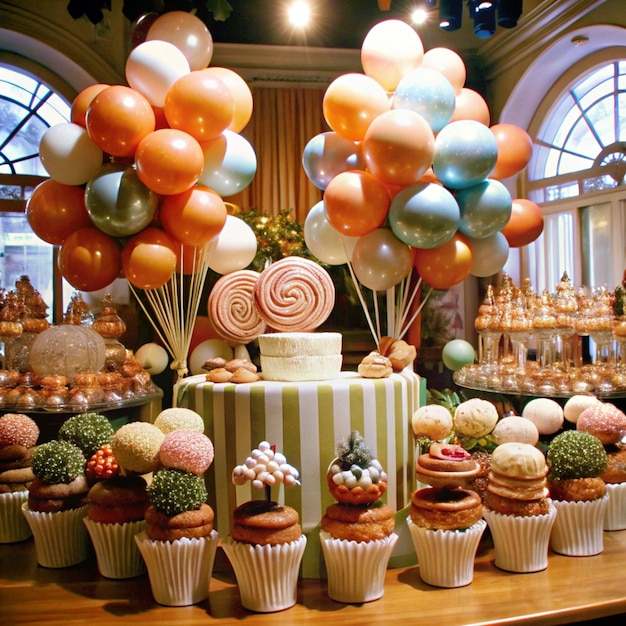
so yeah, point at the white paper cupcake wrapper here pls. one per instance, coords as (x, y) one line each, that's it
(615, 514)
(446, 557)
(520, 543)
(356, 570)
(179, 571)
(13, 524)
(61, 539)
(579, 526)
(267, 575)
(116, 551)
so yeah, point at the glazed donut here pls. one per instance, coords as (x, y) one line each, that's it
(294, 294)
(188, 524)
(232, 308)
(445, 509)
(522, 508)
(577, 489)
(265, 523)
(358, 523)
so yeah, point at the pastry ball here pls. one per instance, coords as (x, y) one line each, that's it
(433, 421)
(516, 428)
(179, 417)
(375, 365)
(136, 447)
(576, 405)
(518, 460)
(18, 429)
(475, 417)
(603, 420)
(88, 431)
(576, 454)
(186, 450)
(546, 414)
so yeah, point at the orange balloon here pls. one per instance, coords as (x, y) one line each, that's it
(82, 101)
(351, 102)
(149, 258)
(159, 118)
(449, 63)
(242, 96)
(356, 203)
(447, 265)
(515, 149)
(194, 216)
(398, 147)
(201, 104)
(118, 118)
(55, 210)
(89, 259)
(525, 223)
(169, 161)
(202, 331)
(470, 105)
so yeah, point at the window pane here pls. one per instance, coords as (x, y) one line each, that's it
(597, 245)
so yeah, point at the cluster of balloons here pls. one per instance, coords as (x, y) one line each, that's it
(411, 170)
(138, 176)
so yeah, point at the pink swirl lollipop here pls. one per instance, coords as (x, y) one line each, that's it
(232, 308)
(294, 294)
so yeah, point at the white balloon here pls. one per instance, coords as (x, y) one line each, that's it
(234, 248)
(153, 357)
(208, 349)
(68, 154)
(153, 67)
(489, 254)
(322, 239)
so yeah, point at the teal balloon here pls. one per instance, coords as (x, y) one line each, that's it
(230, 164)
(328, 154)
(118, 203)
(429, 93)
(485, 208)
(457, 353)
(424, 215)
(466, 152)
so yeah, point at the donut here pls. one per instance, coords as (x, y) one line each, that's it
(186, 450)
(136, 447)
(17, 476)
(118, 500)
(604, 421)
(294, 294)
(358, 523)
(615, 471)
(188, 524)
(17, 428)
(445, 509)
(232, 308)
(265, 523)
(577, 489)
(521, 508)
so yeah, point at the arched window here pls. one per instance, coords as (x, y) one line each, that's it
(28, 107)
(577, 175)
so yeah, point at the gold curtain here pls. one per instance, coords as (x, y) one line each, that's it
(283, 121)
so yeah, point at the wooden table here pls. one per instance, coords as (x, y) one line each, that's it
(571, 589)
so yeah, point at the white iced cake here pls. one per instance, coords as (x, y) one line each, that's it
(297, 357)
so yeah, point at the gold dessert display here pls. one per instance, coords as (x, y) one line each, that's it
(79, 364)
(511, 319)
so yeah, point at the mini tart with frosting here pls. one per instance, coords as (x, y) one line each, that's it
(355, 476)
(446, 465)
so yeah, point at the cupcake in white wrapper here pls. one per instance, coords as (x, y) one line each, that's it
(579, 526)
(356, 569)
(13, 524)
(61, 539)
(179, 571)
(446, 557)
(267, 575)
(116, 551)
(520, 542)
(615, 514)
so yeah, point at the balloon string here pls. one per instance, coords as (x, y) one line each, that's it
(417, 312)
(357, 286)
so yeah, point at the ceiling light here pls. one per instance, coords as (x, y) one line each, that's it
(509, 11)
(450, 14)
(299, 13)
(484, 16)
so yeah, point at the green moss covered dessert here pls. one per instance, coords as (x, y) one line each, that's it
(88, 431)
(174, 491)
(58, 462)
(576, 454)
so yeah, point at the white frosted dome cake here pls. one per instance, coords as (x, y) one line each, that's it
(296, 356)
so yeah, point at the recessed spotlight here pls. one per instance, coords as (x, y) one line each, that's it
(299, 13)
